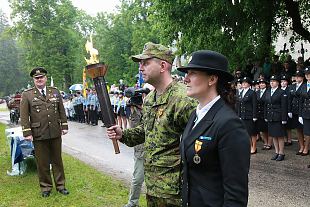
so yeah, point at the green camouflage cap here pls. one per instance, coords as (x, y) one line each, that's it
(152, 50)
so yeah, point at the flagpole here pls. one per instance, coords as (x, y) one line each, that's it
(52, 82)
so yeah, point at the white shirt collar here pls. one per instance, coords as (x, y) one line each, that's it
(245, 91)
(40, 90)
(200, 113)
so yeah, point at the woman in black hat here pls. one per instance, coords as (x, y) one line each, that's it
(261, 124)
(247, 111)
(285, 81)
(293, 109)
(304, 110)
(276, 116)
(215, 146)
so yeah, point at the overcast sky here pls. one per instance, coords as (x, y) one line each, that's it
(90, 6)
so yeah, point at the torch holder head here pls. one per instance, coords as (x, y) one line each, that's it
(96, 70)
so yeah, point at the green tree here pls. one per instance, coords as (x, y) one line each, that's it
(239, 29)
(49, 32)
(12, 78)
(119, 36)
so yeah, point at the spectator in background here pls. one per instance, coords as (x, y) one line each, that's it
(256, 70)
(248, 68)
(291, 65)
(277, 66)
(238, 73)
(267, 68)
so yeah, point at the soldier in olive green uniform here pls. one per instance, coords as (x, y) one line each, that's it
(43, 121)
(164, 116)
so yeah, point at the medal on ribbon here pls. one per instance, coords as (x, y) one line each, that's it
(196, 158)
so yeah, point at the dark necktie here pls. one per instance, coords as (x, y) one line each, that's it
(43, 94)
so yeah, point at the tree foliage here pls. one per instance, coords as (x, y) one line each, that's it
(238, 29)
(119, 36)
(48, 31)
(52, 33)
(12, 78)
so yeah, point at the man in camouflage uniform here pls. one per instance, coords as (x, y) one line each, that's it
(43, 121)
(164, 116)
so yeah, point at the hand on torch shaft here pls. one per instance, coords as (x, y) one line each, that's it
(115, 132)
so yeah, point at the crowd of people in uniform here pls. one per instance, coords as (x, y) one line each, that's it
(271, 103)
(87, 109)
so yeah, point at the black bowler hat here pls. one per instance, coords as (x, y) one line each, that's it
(274, 77)
(209, 61)
(38, 71)
(262, 80)
(285, 77)
(307, 70)
(299, 73)
(246, 79)
(255, 82)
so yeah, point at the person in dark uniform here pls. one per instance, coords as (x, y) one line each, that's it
(238, 93)
(285, 81)
(215, 146)
(276, 116)
(304, 110)
(44, 121)
(247, 111)
(261, 124)
(293, 109)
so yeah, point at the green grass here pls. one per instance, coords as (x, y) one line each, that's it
(87, 186)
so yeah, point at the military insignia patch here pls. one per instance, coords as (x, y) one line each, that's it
(160, 113)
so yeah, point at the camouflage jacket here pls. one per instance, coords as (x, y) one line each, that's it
(163, 122)
(43, 118)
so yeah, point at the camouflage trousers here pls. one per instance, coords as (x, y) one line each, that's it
(162, 202)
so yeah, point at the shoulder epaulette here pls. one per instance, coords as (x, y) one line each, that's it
(52, 87)
(29, 89)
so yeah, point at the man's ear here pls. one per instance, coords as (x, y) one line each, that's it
(163, 66)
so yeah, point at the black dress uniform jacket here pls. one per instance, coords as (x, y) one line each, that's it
(248, 105)
(221, 178)
(293, 99)
(260, 104)
(276, 105)
(304, 105)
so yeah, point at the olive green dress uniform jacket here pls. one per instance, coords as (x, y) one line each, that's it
(43, 118)
(163, 122)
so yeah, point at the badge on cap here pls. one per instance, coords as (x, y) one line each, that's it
(190, 58)
(37, 71)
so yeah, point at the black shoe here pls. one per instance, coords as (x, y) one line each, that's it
(280, 157)
(305, 154)
(63, 191)
(46, 194)
(299, 153)
(252, 153)
(275, 157)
